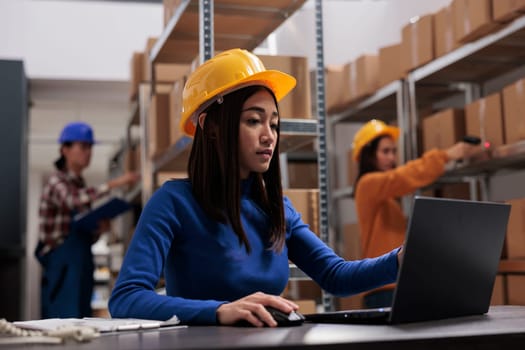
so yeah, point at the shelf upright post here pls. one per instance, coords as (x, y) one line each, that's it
(412, 151)
(206, 30)
(321, 132)
(145, 160)
(405, 137)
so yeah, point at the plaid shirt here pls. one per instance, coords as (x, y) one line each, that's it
(63, 196)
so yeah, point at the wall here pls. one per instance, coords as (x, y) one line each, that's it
(76, 39)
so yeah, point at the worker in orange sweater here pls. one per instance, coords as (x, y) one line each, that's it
(380, 184)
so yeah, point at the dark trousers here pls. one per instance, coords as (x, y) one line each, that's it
(67, 280)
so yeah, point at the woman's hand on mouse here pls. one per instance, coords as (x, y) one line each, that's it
(252, 309)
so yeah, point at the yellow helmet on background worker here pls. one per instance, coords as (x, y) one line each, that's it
(228, 71)
(368, 132)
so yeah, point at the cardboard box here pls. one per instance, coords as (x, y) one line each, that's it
(132, 159)
(158, 124)
(353, 302)
(306, 202)
(170, 72)
(352, 169)
(297, 104)
(163, 176)
(169, 6)
(175, 107)
(364, 77)
(391, 66)
(484, 119)
(515, 238)
(472, 19)
(444, 38)
(514, 111)
(443, 129)
(454, 191)
(150, 42)
(303, 175)
(136, 74)
(351, 242)
(498, 292)
(307, 306)
(418, 42)
(516, 290)
(337, 85)
(506, 10)
(304, 289)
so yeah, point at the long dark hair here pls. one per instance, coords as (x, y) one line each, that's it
(60, 163)
(213, 169)
(367, 160)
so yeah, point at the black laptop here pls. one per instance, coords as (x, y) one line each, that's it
(452, 251)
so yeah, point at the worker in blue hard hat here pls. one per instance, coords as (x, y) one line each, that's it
(63, 251)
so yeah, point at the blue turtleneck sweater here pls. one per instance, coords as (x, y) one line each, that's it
(204, 264)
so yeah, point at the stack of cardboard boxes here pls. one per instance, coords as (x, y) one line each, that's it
(424, 38)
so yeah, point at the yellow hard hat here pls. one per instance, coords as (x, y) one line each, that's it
(369, 132)
(222, 74)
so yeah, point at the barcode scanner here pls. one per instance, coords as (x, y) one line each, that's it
(473, 140)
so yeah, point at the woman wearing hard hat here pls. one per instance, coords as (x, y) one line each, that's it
(223, 238)
(65, 253)
(380, 184)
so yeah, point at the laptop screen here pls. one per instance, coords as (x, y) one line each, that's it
(452, 252)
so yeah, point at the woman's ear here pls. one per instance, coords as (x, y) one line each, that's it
(201, 119)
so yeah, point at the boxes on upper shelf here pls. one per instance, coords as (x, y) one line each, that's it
(176, 110)
(507, 10)
(169, 7)
(164, 72)
(484, 119)
(136, 74)
(364, 76)
(391, 65)
(418, 42)
(472, 19)
(444, 38)
(514, 111)
(297, 104)
(443, 129)
(337, 82)
(158, 124)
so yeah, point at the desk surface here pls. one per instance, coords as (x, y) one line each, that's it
(502, 327)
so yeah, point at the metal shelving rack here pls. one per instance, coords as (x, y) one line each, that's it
(464, 72)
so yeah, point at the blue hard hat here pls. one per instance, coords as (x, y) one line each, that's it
(77, 132)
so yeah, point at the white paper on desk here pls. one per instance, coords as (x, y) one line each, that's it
(103, 325)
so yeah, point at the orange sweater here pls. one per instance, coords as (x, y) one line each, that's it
(382, 223)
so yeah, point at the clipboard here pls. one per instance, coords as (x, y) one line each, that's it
(109, 209)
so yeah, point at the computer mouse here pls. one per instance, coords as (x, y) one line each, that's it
(284, 319)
